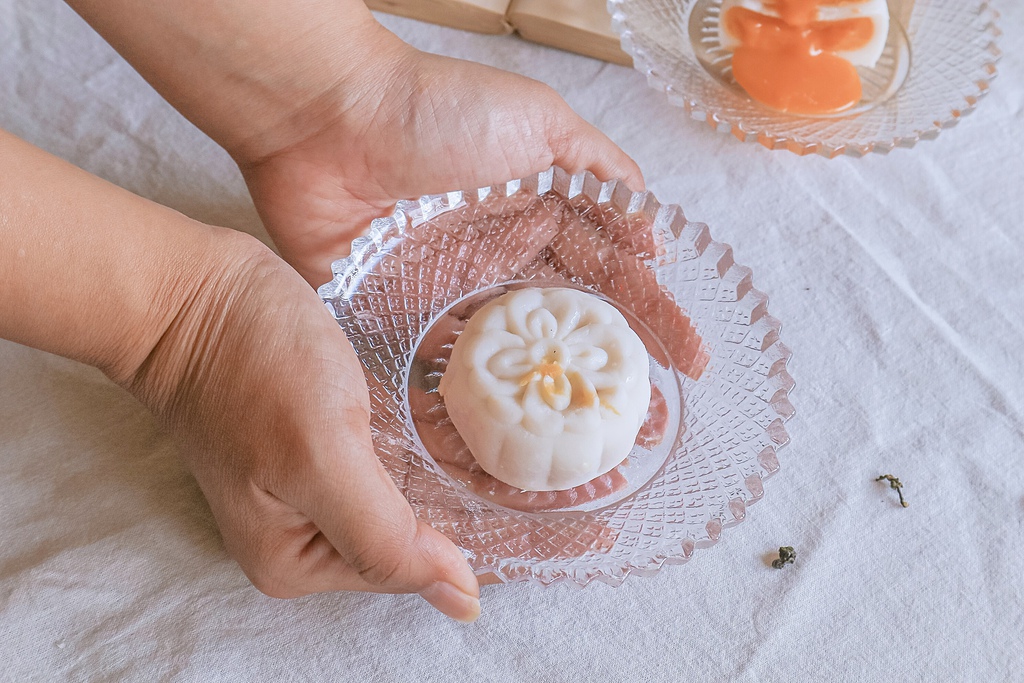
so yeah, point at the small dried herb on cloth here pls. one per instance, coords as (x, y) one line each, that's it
(894, 483)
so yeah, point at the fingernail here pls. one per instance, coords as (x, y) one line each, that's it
(451, 601)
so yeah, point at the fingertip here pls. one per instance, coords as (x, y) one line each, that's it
(608, 161)
(452, 601)
(622, 167)
(634, 178)
(456, 592)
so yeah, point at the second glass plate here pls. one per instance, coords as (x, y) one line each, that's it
(939, 61)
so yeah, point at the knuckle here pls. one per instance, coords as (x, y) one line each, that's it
(547, 95)
(382, 563)
(546, 102)
(267, 568)
(272, 581)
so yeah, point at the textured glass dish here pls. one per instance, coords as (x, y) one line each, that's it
(433, 255)
(440, 441)
(939, 60)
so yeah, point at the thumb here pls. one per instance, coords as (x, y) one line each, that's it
(361, 512)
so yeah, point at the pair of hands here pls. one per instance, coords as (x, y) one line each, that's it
(256, 379)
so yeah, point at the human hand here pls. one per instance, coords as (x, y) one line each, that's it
(332, 118)
(239, 359)
(414, 124)
(267, 397)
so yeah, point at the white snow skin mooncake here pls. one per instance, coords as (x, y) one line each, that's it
(548, 387)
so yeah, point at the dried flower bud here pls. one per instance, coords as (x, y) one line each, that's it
(786, 556)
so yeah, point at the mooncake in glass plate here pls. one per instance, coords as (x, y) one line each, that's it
(718, 368)
(938, 62)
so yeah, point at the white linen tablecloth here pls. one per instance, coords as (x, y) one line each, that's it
(900, 280)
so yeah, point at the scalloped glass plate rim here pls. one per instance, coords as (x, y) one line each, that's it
(348, 275)
(705, 112)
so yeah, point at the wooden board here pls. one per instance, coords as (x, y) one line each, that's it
(581, 26)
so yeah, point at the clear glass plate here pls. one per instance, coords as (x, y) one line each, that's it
(438, 258)
(438, 438)
(939, 61)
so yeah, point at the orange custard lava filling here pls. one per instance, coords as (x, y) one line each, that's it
(789, 62)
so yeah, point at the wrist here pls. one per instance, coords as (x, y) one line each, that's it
(196, 303)
(340, 80)
(256, 77)
(90, 271)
